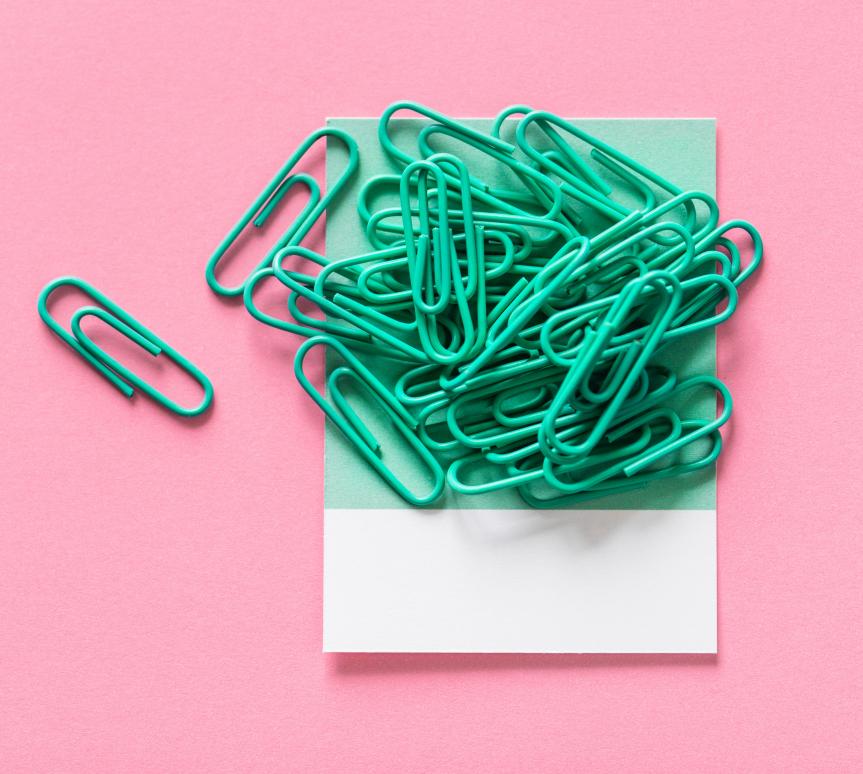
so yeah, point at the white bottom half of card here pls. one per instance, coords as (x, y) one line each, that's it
(512, 581)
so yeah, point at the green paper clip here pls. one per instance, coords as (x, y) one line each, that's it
(353, 428)
(115, 372)
(270, 198)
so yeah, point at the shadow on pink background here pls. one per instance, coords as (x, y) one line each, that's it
(160, 583)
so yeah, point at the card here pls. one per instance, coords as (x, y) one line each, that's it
(631, 573)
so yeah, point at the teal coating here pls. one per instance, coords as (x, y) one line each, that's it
(107, 365)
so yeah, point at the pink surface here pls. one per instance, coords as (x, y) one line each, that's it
(160, 583)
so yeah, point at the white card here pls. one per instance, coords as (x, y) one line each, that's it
(520, 581)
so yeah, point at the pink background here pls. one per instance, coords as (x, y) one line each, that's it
(160, 584)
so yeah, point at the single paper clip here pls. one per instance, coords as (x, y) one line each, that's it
(353, 428)
(270, 198)
(115, 372)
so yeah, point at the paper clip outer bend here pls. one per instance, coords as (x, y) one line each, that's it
(352, 426)
(115, 372)
(272, 195)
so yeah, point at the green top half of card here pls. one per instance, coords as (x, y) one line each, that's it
(681, 150)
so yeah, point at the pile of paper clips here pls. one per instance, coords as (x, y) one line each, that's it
(524, 322)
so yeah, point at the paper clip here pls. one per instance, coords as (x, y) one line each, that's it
(628, 365)
(353, 428)
(115, 372)
(404, 159)
(270, 198)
